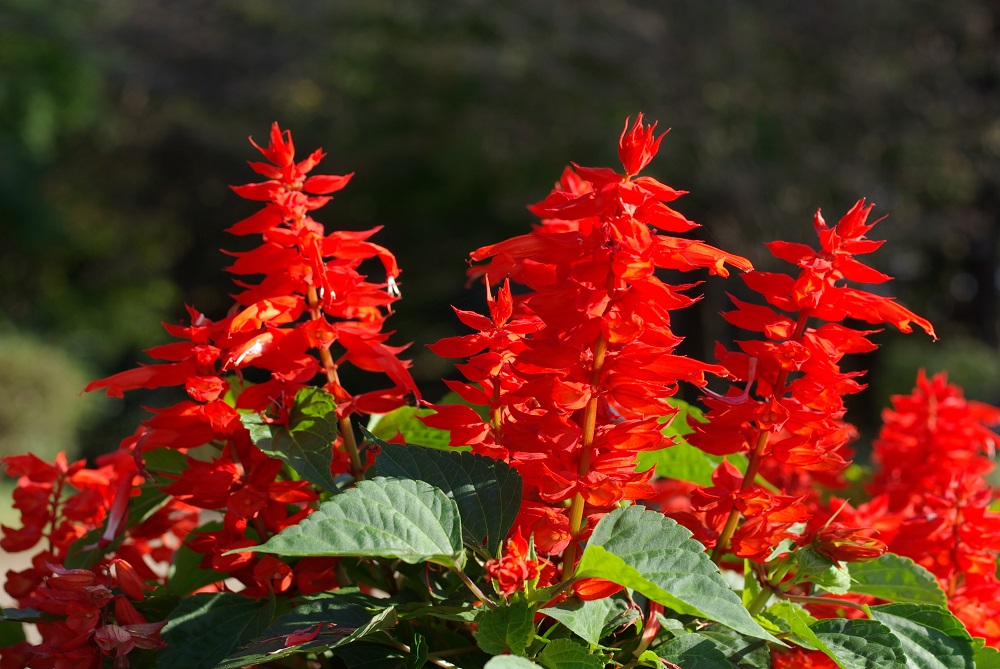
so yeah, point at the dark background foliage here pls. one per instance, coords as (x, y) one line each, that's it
(122, 122)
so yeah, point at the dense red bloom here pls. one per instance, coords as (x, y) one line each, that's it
(576, 371)
(789, 417)
(934, 452)
(312, 311)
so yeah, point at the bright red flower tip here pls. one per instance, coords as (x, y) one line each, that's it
(637, 146)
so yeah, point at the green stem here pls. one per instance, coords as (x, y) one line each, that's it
(757, 455)
(757, 604)
(474, 588)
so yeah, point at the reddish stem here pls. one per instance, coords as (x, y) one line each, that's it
(757, 455)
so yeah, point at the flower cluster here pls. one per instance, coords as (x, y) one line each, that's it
(250, 498)
(313, 300)
(311, 313)
(788, 418)
(61, 504)
(931, 499)
(576, 370)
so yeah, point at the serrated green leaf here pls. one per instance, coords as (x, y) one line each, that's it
(860, 644)
(391, 518)
(506, 629)
(159, 461)
(90, 549)
(205, 628)
(487, 491)
(743, 652)
(799, 620)
(646, 551)
(986, 657)
(337, 623)
(306, 444)
(693, 651)
(592, 620)
(406, 421)
(897, 579)
(932, 638)
(363, 655)
(822, 571)
(511, 662)
(568, 654)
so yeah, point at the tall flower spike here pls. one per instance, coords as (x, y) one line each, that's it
(577, 369)
(792, 426)
(304, 310)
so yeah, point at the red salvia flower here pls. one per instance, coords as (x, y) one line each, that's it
(311, 312)
(789, 418)
(934, 451)
(576, 371)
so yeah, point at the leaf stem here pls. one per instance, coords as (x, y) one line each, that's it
(470, 584)
(330, 368)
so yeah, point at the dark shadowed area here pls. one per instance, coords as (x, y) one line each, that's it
(121, 124)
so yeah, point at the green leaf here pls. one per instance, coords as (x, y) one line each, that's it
(646, 551)
(511, 662)
(364, 655)
(986, 657)
(860, 644)
(11, 632)
(568, 654)
(306, 445)
(821, 570)
(594, 619)
(693, 651)
(90, 549)
(205, 628)
(897, 579)
(418, 653)
(406, 421)
(506, 629)
(391, 518)
(798, 621)
(487, 491)
(932, 638)
(741, 651)
(338, 623)
(682, 462)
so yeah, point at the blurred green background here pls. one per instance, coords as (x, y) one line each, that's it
(122, 122)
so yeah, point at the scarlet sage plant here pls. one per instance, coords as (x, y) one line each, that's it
(561, 508)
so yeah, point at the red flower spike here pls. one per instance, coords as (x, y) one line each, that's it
(311, 311)
(573, 371)
(788, 420)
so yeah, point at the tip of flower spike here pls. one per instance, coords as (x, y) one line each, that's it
(280, 150)
(637, 146)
